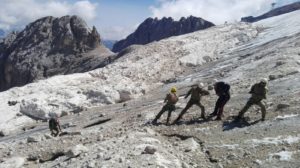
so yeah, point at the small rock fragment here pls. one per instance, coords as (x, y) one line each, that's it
(149, 150)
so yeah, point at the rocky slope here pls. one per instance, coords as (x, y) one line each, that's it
(47, 47)
(154, 30)
(275, 12)
(118, 134)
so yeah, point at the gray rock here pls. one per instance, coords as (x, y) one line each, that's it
(154, 30)
(3, 133)
(64, 113)
(149, 150)
(124, 96)
(210, 87)
(91, 164)
(14, 162)
(282, 106)
(76, 151)
(32, 139)
(184, 165)
(190, 145)
(231, 157)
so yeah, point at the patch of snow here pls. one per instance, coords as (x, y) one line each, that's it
(282, 156)
(286, 116)
(276, 140)
(278, 27)
(229, 146)
(150, 140)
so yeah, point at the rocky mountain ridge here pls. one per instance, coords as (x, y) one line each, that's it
(275, 12)
(47, 47)
(156, 29)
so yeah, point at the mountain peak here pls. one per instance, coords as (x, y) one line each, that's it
(49, 46)
(154, 29)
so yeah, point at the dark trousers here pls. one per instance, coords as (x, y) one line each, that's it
(167, 107)
(219, 107)
(189, 105)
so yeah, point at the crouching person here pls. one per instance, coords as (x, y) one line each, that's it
(54, 126)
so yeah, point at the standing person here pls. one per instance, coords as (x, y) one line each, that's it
(54, 126)
(258, 93)
(170, 100)
(196, 93)
(222, 90)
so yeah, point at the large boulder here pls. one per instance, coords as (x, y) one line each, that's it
(76, 151)
(47, 47)
(154, 29)
(14, 162)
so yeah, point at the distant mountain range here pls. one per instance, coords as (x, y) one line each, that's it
(275, 12)
(109, 43)
(2, 33)
(156, 29)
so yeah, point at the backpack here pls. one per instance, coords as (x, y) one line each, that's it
(226, 87)
(222, 87)
(172, 98)
(53, 123)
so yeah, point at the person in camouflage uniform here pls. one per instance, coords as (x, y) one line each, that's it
(170, 100)
(196, 93)
(258, 93)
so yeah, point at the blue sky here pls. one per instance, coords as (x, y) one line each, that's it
(115, 19)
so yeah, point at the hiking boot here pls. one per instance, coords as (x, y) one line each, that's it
(176, 122)
(154, 122)
(239, 118)
(218, 119)
(212, 114)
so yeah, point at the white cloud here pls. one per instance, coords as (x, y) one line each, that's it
(16, 13)
(116, 32)
(216, 11)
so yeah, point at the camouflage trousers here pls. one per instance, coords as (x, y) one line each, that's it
(167, 107)
(253, 101)
(189, 105)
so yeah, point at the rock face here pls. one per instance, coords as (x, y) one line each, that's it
(154, 30)
(47, 47)
(275, 12)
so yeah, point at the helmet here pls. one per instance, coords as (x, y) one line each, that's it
(52, 115)
(201, 85)
(264, 80)
(173, 90)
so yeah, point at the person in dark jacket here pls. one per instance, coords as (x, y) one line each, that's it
(54, 126)
(170, 100)
(222, 90)
(196, 93)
